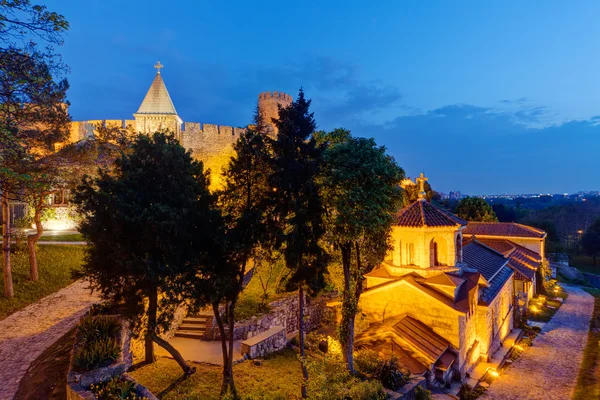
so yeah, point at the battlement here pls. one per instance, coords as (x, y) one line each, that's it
(211, 129)
(278, 95)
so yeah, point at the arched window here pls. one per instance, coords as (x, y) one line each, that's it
(411, 254)
(458, 248)
(399, 252)
(433, 253)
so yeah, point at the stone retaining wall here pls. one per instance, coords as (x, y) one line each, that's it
(284, 312)
(265, 343)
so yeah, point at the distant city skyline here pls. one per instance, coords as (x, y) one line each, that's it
(482, 97)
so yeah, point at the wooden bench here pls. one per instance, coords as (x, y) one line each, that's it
(264, 343)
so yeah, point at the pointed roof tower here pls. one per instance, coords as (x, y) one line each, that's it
(157, 100)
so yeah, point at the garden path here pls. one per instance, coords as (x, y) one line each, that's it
(25, 334)
(548, 370)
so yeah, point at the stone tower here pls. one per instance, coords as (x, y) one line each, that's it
(157, 112)
(268, 103)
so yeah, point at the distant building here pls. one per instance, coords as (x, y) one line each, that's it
(455, 195)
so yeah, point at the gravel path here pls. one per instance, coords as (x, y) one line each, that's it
(548, 370)
(25, 334)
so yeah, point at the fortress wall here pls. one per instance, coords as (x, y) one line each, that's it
(211, 144)
(80, 129)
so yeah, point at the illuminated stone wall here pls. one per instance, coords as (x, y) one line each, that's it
(403, 298)
(420, 238)
(496, 320)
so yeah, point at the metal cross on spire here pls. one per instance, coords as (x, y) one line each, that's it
(421, 181)
(158, 66)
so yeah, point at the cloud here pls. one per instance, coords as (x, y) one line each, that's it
(483, 150)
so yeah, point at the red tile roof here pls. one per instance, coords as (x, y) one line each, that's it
(522, 260)
(422, 337)
(509, 229)
(423, 213)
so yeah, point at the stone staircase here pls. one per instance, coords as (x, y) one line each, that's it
(194, 326)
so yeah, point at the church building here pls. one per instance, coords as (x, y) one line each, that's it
(444, 299)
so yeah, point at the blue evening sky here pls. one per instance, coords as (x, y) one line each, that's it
(483, 96)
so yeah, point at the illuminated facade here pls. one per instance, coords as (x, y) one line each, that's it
(441, 301)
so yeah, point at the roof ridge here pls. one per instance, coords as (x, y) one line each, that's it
(531, 228)
(487, 247)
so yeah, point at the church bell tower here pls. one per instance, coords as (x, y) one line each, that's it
(157, 112)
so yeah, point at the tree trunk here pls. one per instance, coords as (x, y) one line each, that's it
(227, 353)
(152, 337)
(150, 329)
(228, 382)
(32, 241)
(9, 292)
(348, 309)
(173, 351)
(301, 339)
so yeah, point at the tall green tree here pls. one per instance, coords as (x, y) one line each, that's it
(33, 114)
(296, 163)
(361, 196)
(475, 209)
(245, 225)
(590, 241)
(147, 222)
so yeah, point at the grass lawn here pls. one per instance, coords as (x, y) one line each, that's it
(74, 237)
(251, 301)
(588, 381)
(55, 263)
(585, 264)
(279, 377)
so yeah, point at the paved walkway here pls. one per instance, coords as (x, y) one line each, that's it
(25, 334)
(203, 351)
(548, 370)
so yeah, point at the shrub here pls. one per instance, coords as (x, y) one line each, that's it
(466, 392)
(94, 354)
(526, 341)
(314, 342)
(249, 307)
(366, 361)
(365, 390)
(422, 394)
(101, 327)
(329, 380)
(115, 389)
(389, 372)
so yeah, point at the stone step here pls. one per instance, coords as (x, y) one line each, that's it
(192, 327)
(190, 334)
(194, 320)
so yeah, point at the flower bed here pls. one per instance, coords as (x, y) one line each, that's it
(99, 359)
